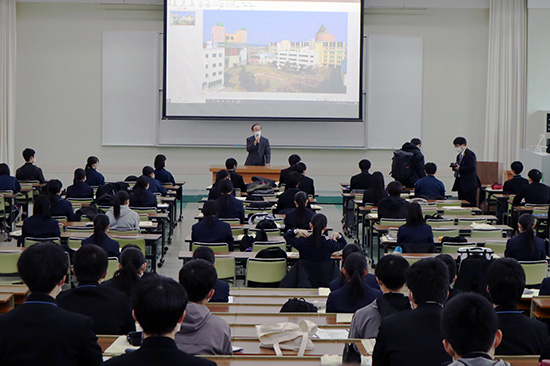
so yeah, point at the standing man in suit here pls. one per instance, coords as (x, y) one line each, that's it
(361, 180)
(29, 171)
(236, 179)
(259, 151)
(39, 332)
(465, 168)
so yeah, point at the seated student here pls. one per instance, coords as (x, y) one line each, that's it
(535, 192)
(369, 279)
(154, 185)
(130, 270)
(202, 333)
(292, 161)
(421, 343)
(38, 332)
(236, 179)
(376, 191)
(521, 335)
(59, 206)
(7, 182)
(161, 174)
(355, 294)
(93, 177)
(526, 246)
(221, 175)
(159, 308)
(228, 206)
(390, 274)
(306, 183)
(211, 229)
(470, 330)
(108, 308)
(285, 202)
(221, 288)
(415, 231)
(29, 171)
(80, 189)
(315, 246)
(121, 217)
(430, 187)
(100, 237)
(299, 217)
(393, 207)
(362, 180)
(40, 224)
(514, 185)
(450, 262)
(140, 196)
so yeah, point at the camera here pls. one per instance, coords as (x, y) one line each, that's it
(453, 165)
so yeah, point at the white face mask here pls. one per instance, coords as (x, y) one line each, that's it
(459, 149)
(257, 133)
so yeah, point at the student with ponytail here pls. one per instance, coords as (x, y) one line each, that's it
(526, 246)
(355, 294)
(221, 176)
(163, 175)
(141, 196)
(100, 237)
(80, 189)
(121, 217)
(58, 205)
(228, 206)
(299, 217)
(130, 270)
(93, 177)
(315, 246)
(211, 229)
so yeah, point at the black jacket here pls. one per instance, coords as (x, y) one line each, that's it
(29, 171)
(514, 185)
(220, 232)
(417, 163)
(467, 180)
(518, 248)
(38, 227)
(360, 181)
(237, 180)
(307, 185)
(521, 335)
(80, 190)
(392, 208)
(535, 193)
(286, 200)
(146, 200)
(230, 207)
(62, 207)
(259, 154)
(291, 219)
(284, 174)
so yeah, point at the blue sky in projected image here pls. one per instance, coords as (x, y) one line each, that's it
(273, 26)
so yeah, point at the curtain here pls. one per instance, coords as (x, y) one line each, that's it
(506, 80)
(7, 81)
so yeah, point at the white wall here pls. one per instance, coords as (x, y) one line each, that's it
(59, 92)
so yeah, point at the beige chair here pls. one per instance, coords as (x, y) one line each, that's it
(112, 267)
(489, 233)
(440, 222)
(452, 248)
(216, 247)
(535, 271)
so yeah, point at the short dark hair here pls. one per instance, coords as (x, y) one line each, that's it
(469, 323)
(459, 141)
(430, 168)
(4, 169)
(230, 163)
(414, 214)
(428, 280)
(28, 153)
(293, 179)
(254, 125)
(416, 141)
(505, 281)
(517, 167)
(364, 165)
(349, 249)
(147, 170)
(90, 263)
(391, 270)
(294, 159)
(205, 253)
(535, 175)
(300, 167)
(198, 277)
(159, 303)
(160, 161)
(394, 188)
(79, 175)
(450, 262)
(42, 266)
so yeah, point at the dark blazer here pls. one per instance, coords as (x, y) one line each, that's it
(108, 308)
(229, 207)
(107, 244)
(286, 200)
(215, 193)
(220, 232)
(156, 187)
(535, 193)
(411, 338)
(94, 178)
(37, 227)
(80, 190)
(164, 176)
(518, 248)
(147, 200)
(521, 335)
(545, 287)
(360, 181)
(339, 301)
(417, 163)
(259, 154)
(291, 219)
(429, 187)
(467, 180)
(307, 185)
(369, 197)
(417, 234)
(63, 208)
(29, 171)
(514, 185)
(221, 292)
(9, 183)
(307, 248)
(369, 279)
(237, 180)
(392, 208)
(158, 351)
(284, 174)
(41, 333)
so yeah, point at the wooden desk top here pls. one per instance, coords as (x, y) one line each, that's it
(15, 289)
(186, 254)
(76, 234)
(383, 228)
(5, 297)
(244, 308)
(253, 319)
(249, 168)
(249, 331)
(270, 238)
(542, 301)
(251, 291)
(264, 360)
(321, 347)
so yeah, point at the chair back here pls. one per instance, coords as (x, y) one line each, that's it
(269, 232)
(448, 203)
(535, 271)
(452, 248)
(490, 233)
(429, 210)
(392, 222)
(440, 222)
(260, 245)
(471, 220)
(8, 261)
(81, 201)
(458, 211)
(145, 210)
(112, 267)
(79, 229)
(136, 240)
(265, 270)
(444, 231)
(75, 243)
(496, 246)
(31, 241)
(216, 247)
(225, 267)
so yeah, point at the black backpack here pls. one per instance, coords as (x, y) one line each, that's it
(296, 305)
(271, 253)
(401, 165)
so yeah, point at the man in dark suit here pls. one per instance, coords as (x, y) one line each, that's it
(259, 151)
(521, 335)
(237, 179)
(292, 161)
(108, 308)
(535, 192)
(361, 180)
(414, 337)
(286, 200)
(306, 183)
(514, 185)
(159, 307)
(466, 179)
(29, 171)
(39, 332)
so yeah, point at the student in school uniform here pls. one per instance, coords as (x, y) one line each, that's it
(285, 202)
(221, 288)
(154, 185)
(211, 229)
(430, 187)
(361, 180)
(59, 206)
(236, 179)
(29, 171)
(163, 175)
(514, 185)
(93, 177)
(376, 191)
(140, 196)
(79, 189)
(415, 231)
(40, 224)
(108, 308)
(369, 278)
(292, 161)
(221, 175)
(535, 192)
(393, 207)
(450, 262)
(121, 217)
(306, 183)
(299, 217)
(228, 206)
(130, 270)
(526, 246)
(100, 237)
(7, 182)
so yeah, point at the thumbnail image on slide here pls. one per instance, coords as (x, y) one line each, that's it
(277, 52)
(182, 18)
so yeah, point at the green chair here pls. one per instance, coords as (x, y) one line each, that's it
(145, 210)
(264, 270)
(4, 213)
(452, 248)
(231, 221)
(143, 217)
(237, 230)
(8, 261)
(392, 222)
(440, 222)
(81, 201)
(75, 243)
(216, 247)
(27, 242)
(79, 229)
(429, 210)
(538, 209)
(438, 232)
(496, 246)
(136, 240)
(535, 271)
(489, 233)
(60, 218)
(225, 267)
(448, 203)
(462, 211)
(112, 267)
(269, 232)
(260, 245)
(471, 220)
(412, 259)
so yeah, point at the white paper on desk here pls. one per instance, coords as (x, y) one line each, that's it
(344, 318)
(293, 255)
(324, 291)
(336, 360)
(230, 299)
(241, 198)
(316, 207)
(529, 293)
(16, 233)
(324, 333)
(240, 237)
(369, 344)
(482, 226)
(162, 205)
(119, 346)
(10, 250)
(146, 224)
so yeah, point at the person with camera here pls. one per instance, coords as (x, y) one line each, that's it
(259, 151)
(465, 171)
